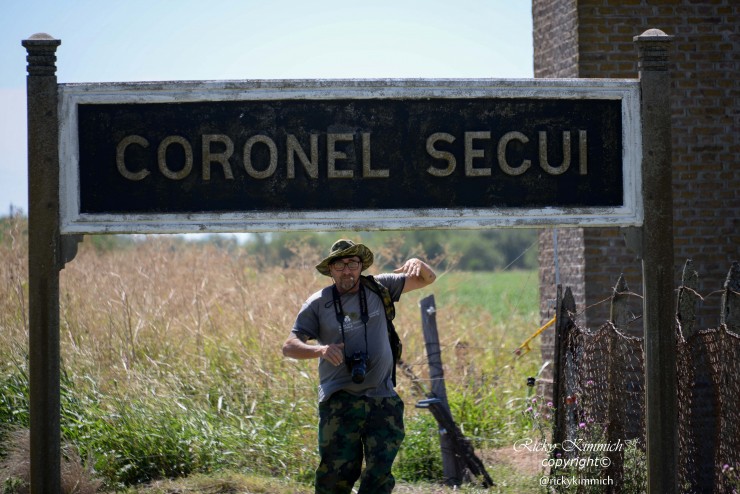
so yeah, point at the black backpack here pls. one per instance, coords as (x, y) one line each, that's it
(390, 313)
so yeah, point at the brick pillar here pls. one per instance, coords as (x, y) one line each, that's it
(579, 38)
(555, 32)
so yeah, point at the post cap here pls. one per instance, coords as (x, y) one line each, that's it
(653, 35)
(41, 58)
(41, 39)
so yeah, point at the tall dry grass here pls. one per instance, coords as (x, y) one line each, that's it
(172, 362)
(132, 316)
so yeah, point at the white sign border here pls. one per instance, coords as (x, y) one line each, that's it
(73, 222)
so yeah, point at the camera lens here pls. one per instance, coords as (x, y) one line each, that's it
(358, 367)
(358, 375)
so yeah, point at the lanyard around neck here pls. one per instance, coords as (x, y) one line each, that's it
(339, 312)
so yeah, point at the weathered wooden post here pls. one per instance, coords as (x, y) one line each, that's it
(44, 262)
(697, 396)
(615, 430)
(558, 387)
(730, 317)
(687, 298)
(565, 305)
(657, 262)
(729, 429)
(451, 465)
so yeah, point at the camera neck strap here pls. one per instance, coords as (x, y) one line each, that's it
(339, 312)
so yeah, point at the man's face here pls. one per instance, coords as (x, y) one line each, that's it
(345, 273)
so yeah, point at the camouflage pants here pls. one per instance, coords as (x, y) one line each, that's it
(351, 427)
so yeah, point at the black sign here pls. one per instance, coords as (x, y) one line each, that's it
(349, 154)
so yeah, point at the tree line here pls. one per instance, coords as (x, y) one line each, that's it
(467, 250)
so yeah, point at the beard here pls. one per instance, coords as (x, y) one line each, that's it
(346, 283)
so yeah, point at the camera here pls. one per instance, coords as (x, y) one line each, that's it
(357, 365)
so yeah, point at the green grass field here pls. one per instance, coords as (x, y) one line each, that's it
(172, 369)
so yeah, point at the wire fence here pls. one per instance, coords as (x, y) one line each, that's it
(599, 394)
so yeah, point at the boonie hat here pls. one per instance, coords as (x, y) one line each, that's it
(345, 248)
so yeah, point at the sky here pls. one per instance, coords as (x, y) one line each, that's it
(171, 40)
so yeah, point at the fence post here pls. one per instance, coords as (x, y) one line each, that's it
(697, 395)
(615, 430)
(451, 467)
(44, 263)
(564, 306)
(729, 369)
(657, 262)
(687, 297)
(558, 419)
(731, 300)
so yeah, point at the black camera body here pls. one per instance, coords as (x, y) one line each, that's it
(357, 365)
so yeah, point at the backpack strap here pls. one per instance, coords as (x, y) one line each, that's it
(390, 313)
(384, 294)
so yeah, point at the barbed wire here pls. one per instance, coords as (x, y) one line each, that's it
(710, 294)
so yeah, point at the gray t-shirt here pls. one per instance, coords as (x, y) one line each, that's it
(317, 320)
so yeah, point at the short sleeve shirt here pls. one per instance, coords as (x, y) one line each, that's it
(317, 320)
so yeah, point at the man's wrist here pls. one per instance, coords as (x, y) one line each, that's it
(426, 272)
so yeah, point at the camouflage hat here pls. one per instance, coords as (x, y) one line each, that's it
(345, 248)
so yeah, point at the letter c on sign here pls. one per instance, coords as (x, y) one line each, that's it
(121, 157)
(503, 163)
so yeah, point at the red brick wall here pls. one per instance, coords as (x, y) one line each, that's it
(705, 113)
(555, 34)
(555, 31)
(561, 248)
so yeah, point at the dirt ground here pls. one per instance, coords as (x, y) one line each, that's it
(503, 464)
(523, 461)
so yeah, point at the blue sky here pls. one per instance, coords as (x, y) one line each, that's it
(136, 40)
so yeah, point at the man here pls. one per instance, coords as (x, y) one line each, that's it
(360, 413)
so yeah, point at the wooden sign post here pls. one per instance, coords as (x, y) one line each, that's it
(44, 263)
(657, 263)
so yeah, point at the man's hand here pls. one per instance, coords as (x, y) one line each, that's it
(418, 274)
(333, 353)
(299, 348)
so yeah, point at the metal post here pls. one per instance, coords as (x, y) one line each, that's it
(44, 254)
(657, 262)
